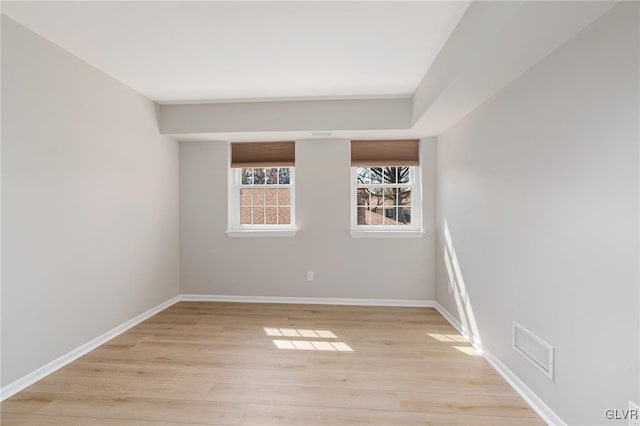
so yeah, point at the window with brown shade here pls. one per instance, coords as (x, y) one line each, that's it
(385, 186)
(261, 190)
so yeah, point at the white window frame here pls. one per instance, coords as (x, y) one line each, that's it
(236, 229)
(390, 231)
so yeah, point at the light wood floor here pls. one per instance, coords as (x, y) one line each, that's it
(242, 364)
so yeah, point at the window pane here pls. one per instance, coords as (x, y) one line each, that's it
(404, 216)
(285, 176)
(390, 214)
(271, 197)
(390, 196)
(376, 196)
(403, 175)
(362, 216)
(363, 197)
(377, 175)
(245, 196)
(258, 216)
(258, 197)
(284, 215)
(272, 176)
(258, 176)
(247, 176)
(284, 196)
(363, 175)
(375, 216)
(404, 197)
(245, 216)
(390, 174)
(271, 216)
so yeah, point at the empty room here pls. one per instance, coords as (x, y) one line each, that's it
(320, 213)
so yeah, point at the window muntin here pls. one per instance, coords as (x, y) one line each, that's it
(385, 198)
(264, 198)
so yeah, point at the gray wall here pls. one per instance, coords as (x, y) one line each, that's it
(212, 263)
(352, 114)
(539, 190)
(90, 203)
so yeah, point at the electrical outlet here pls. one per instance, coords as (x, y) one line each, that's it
(309, 276)
(634, 414)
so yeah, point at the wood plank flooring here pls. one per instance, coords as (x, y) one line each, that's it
(205, 363)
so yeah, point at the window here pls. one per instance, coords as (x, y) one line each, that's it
(383, 196)
(261, 189)
(265, 195)
(385, 188)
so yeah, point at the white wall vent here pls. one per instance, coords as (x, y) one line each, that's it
(533, 349)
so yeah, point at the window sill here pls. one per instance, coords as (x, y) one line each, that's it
(386, 234)
(261, 233)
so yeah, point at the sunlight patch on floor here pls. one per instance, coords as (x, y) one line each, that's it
(448, 337)
(299, 332)
(469, 350)
(307, 345)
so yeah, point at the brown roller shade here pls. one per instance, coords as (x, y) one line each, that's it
(263, 154)
(404, 152)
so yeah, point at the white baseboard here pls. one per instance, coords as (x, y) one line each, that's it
(534, 401)
(458, 326)
(452, 320)
(26, 381)
(308, 300)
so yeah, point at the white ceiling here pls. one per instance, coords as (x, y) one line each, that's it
(196, 51)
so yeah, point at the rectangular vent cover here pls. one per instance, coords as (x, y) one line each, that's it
(533, 349)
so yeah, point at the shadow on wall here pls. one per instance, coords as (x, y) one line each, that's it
(457, 287)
